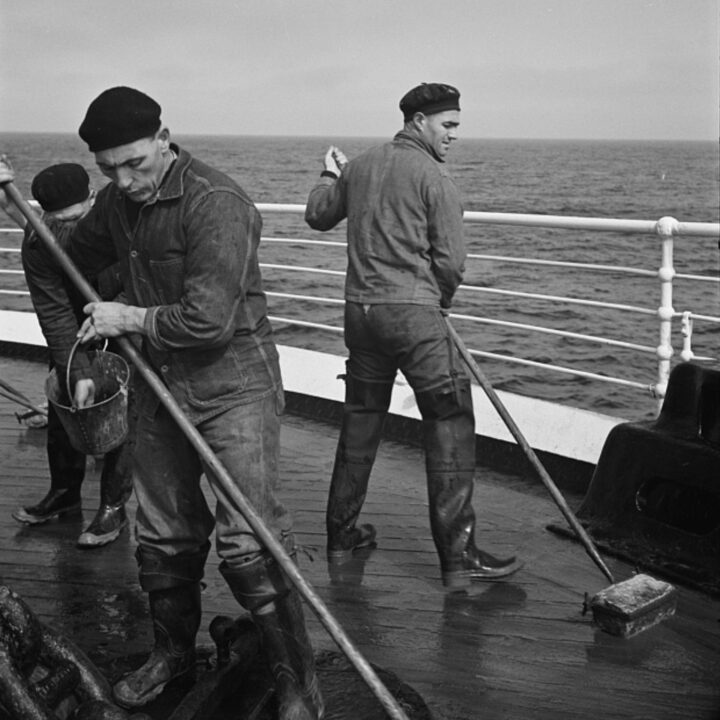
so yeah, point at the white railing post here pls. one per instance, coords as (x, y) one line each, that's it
(666, 228)
(687, 353)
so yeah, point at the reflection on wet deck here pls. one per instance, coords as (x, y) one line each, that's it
(519, 649)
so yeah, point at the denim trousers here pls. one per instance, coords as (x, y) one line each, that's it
(382, 339)
(173, 515)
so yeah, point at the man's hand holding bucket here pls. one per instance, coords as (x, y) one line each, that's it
(111, 319)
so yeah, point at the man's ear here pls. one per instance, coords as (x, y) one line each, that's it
(419, 121)
(163, 137)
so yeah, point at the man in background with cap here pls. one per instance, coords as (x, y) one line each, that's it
(64, 194)
(186, 237)
(406, 257)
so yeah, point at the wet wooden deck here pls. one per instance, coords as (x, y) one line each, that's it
(519, 649)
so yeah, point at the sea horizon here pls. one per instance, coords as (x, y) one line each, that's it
(257, 136)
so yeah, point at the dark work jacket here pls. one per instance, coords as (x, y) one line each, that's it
(191, 260)
(57, 302)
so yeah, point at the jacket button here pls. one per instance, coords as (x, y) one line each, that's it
(164, 368)
(133, 253)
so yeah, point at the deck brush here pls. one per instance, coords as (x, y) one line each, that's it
(629, 607)
(624, 608)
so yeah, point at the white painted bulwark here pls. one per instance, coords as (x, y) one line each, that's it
(20, 327)
(549, 427)
(565, 431)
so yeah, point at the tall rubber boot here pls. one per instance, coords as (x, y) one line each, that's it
(115, 490)
(116, 485)
(365, 408)
(261, 587)
(449, 434)
(67, 472)
(175, 614)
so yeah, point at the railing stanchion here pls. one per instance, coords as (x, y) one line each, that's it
(666, 228)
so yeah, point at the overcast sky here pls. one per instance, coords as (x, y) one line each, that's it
(606, 69)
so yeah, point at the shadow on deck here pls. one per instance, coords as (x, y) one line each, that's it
(518, 649)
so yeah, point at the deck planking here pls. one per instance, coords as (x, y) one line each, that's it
(518, 649)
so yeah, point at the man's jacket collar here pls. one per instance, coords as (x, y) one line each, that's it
(419, 141)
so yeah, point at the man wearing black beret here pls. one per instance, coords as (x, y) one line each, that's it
(64, 194)
(186, 236)
(406, 257)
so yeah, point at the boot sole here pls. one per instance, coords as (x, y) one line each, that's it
(153, 694)
(26, 519)
(90, 540)
(464, 578)
(340, 557)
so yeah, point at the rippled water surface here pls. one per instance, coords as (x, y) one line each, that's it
(630, 180)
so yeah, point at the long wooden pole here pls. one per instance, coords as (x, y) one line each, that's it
(529, 452)
(11, 393)
(225, 480)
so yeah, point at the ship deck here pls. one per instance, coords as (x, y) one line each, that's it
(517, 649)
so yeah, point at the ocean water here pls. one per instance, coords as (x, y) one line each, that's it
(631, 180)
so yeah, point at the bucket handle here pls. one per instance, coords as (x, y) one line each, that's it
(73, 350)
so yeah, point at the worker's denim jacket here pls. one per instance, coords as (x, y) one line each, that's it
(405, 229)
(191, 260)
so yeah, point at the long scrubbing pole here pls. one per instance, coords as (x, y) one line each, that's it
(529, 452)
(226, 482)
(624, 608)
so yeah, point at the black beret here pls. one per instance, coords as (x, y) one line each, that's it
(429, 98)
(119, 116)
(60, 186)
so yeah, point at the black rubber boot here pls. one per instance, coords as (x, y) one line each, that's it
(260, 587)
(67, 471)
(365, 408)
(57, 503)
(175, 614)
(449, 433)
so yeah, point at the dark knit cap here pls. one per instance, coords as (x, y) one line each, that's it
(119, 116)
(429, 98)
(60, 186)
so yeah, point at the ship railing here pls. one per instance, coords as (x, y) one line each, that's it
(666, 229)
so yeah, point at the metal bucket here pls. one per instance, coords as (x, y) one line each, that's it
(102, 426)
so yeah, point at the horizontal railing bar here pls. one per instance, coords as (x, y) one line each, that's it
(281, 208)
(556, 298)
(319, 271)
(560, 369)
(12, 272)
(569, 222)
(699, 278)
(696, 316)
(560, 263)
(310, 298)
(305, 323)
(23, 293)
(303, 241)
(560, 333)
